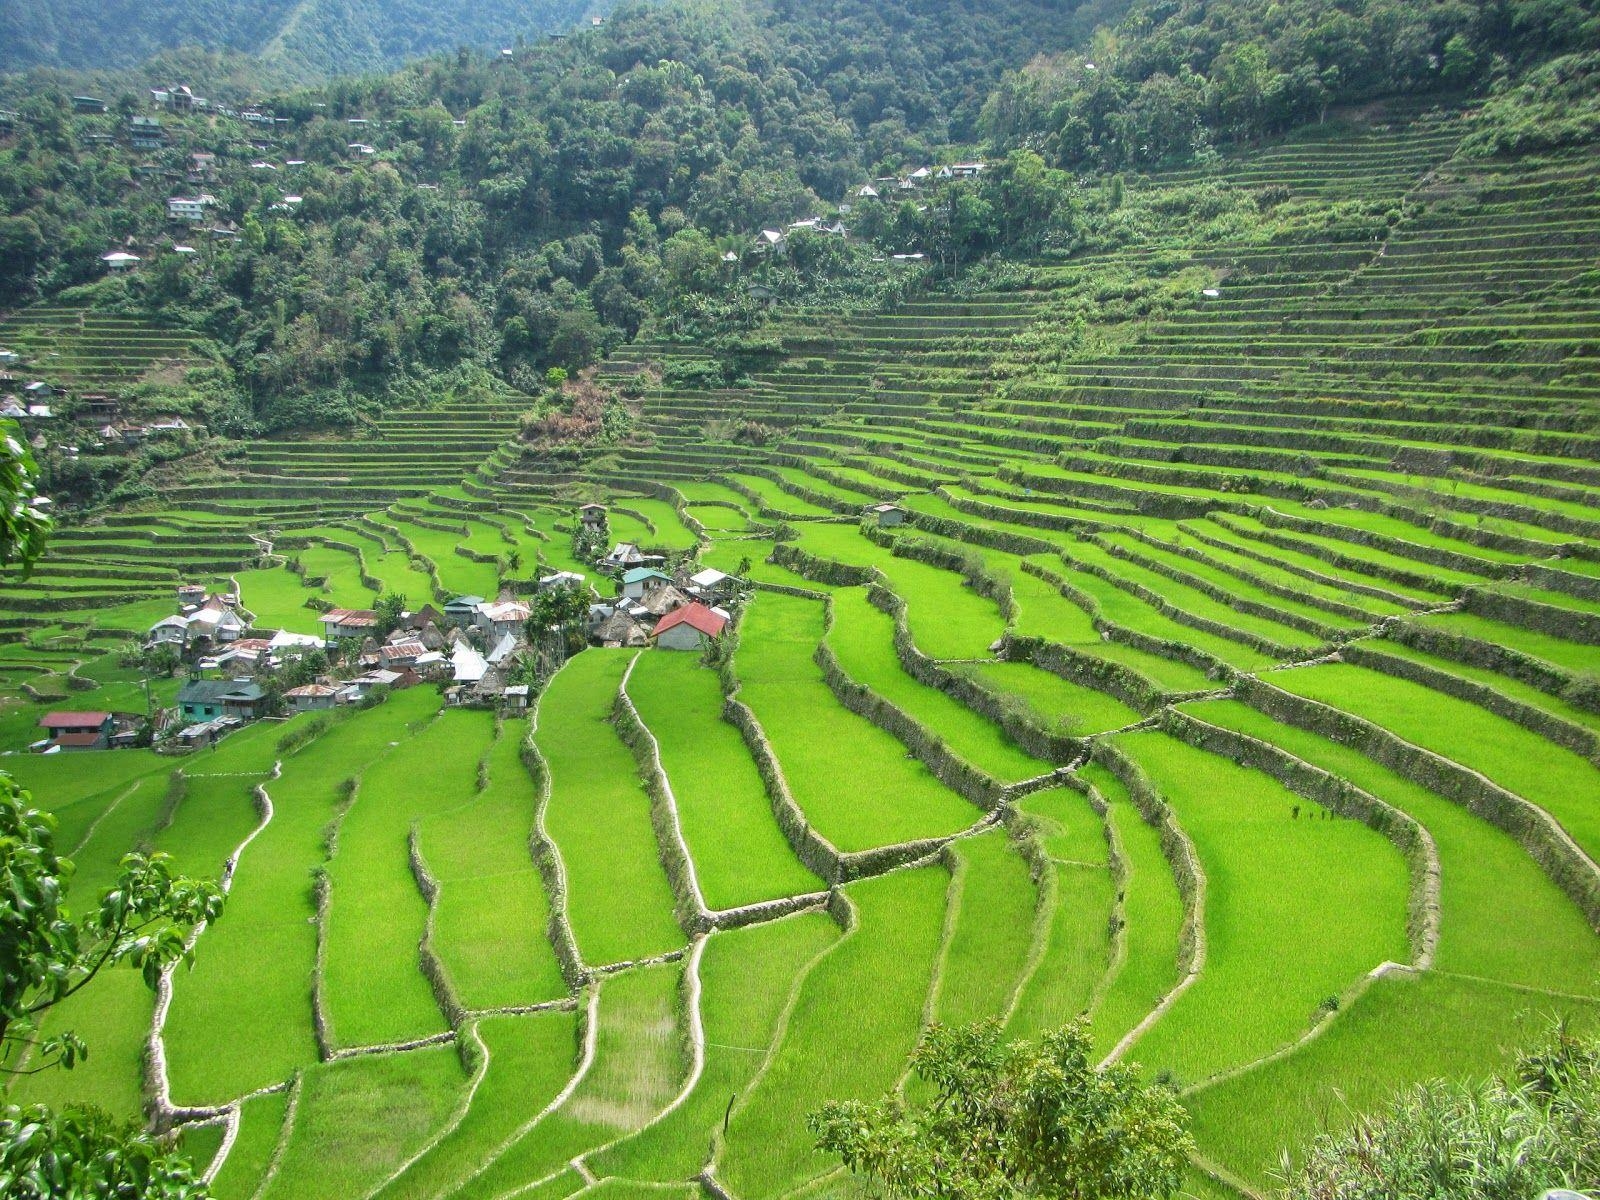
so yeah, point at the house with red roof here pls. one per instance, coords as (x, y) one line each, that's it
(75, 731)
(689, 627)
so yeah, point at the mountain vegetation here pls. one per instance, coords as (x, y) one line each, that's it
(303, 39)
(469, 222)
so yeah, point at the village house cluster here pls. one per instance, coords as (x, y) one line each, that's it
(75, 423)
(889, 187)
(479, 651)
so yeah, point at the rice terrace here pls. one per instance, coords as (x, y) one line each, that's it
(1198, 630)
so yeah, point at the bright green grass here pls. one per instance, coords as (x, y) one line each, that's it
(392, 567)
(200, 1143)
(530, 1060)
(459, 575)
(891, 797)
(1078, 899)
(1124, 609)
(126, 823)
(341, 573)
(670, 531)
(241, 1019)
(747, 976)
(994, 902)
(1042, 611)
(555, 553)
(113, 1012)
(947, 618)
(1296, 558)
(250, 750)
(1210, 570)
(398, 573)
(260, 1126)
(1569, 656)
(1404, 1030)
(135, 616)
(740, 854)
(1152, 918)
(625, 527)
(625, 1189)
(701, 491)
(775, 500)
(278, 599)
(1194, 602)
(1524, 693)
(1393, 527)
(836, 491)
(1572, 604)
(359, 1118)
(638, 1068)
(59, 781)
(1556, 779)
(877, 979)
(1374, 560)
(1488, 883)
(1296, 910)
(113, 1016)
(1056, 702)
(863, 638)
(618, 898)
(491, 914)
(372, 989)
(717, 519)
(217, 813)
(729, 556)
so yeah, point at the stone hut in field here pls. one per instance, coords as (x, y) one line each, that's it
(888, 514)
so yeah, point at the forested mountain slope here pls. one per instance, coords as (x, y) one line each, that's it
(304, 38)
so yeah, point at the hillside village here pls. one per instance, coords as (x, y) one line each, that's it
(208, 175)
(478, 652)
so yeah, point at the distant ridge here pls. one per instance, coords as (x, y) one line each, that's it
(304, 38)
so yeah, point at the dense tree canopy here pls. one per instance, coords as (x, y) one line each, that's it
(464, 224)
(306, 39)
(1176, 76)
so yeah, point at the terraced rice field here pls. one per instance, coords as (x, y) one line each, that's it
(1230, 679)
(84, 349)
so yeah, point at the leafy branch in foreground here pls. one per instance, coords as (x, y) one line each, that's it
(47, 955)
(1024, 1119)
(83, 1153)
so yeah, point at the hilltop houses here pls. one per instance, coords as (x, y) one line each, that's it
(202, 623)
(649, 601)
(342, 624)
(190, 209)
(624, 555)
(639, 580)
(75, 731)
(202, 700)
(502, 617)
(146, 133)
(689, 627)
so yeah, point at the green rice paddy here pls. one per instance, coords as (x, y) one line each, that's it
(461, 949)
